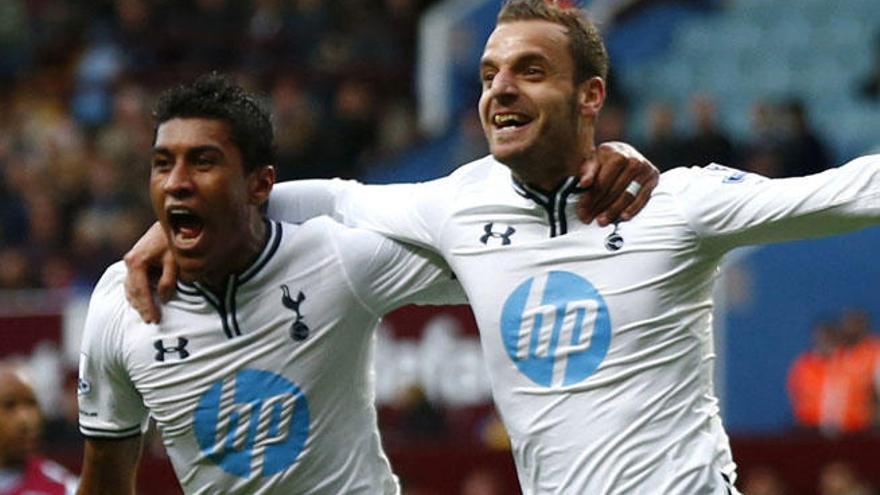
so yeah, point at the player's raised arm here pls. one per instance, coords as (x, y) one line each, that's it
(729, 208)
(109, 466)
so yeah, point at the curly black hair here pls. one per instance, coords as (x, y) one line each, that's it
(216, 96)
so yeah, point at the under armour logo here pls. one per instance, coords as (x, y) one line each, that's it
(179, 349)
(491, 234)
(298, 330)
(614, 241)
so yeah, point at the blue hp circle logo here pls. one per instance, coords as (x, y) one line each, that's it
(253, 423)
(561, 338)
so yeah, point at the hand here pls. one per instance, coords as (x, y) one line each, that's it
(147, 256)
(606, 177)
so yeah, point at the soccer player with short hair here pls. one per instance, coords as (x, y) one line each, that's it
(598, 338)
(259, 376)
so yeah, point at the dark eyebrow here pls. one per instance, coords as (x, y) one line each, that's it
(204, 149)
(161, 150)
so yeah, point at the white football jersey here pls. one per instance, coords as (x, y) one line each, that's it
(267, 387)
(598, 340)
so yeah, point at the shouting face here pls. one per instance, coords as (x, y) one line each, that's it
(207, 204)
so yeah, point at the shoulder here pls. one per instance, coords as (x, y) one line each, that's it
(348, 240)
(111, 281)
(109, 293)
(480, 170)
(325, 235)
(107, 307)
(681, 178)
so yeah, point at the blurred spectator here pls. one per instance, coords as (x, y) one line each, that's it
(764, 148)
(15, 40)
(763, 481)
(417, 416)
(808, 375)
(840, 478)
(22, 471)
(870, 88)
(708, 143)
(353, 122)
(851, 400)
(803, 153)
(297, 120)
(665, 146)
(61, 432)
(471, 143)
(74, 82)
(15, 270)
(612, 124)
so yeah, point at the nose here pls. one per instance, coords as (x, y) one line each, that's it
(26, 418)
(178, 182)
(504, 85)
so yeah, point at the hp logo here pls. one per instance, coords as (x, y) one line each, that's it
(254, 423)
(556, 329)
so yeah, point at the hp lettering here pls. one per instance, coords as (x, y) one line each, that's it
(254, 423)
(556, 328)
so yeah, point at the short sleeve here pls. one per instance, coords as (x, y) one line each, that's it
(109, 405)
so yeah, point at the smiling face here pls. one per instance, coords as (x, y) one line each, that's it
(20, 419)
(536, 119)
(206, 203)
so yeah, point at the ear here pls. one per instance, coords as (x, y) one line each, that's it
(591, 97)
(260, 183)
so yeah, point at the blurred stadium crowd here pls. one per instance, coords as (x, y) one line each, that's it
(78, 77)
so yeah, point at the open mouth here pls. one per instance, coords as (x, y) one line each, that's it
(185, 224)
(510, 120)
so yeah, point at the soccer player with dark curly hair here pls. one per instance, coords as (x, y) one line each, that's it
(259, 375)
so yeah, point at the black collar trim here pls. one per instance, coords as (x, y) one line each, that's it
(552, 201)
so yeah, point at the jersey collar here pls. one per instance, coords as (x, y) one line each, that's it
(270, 246)
(553, 201)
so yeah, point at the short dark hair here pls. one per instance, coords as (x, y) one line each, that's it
(216, 96)
(585, 43)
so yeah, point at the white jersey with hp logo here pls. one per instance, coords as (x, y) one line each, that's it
(267, 387)
(599, 340)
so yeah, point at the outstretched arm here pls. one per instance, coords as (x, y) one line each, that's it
(109, 466)
(728, 208)
(608, 178)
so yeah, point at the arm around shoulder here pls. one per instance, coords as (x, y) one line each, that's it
(387, 274)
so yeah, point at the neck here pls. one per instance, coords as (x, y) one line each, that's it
(547, 174)
(240, 256)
